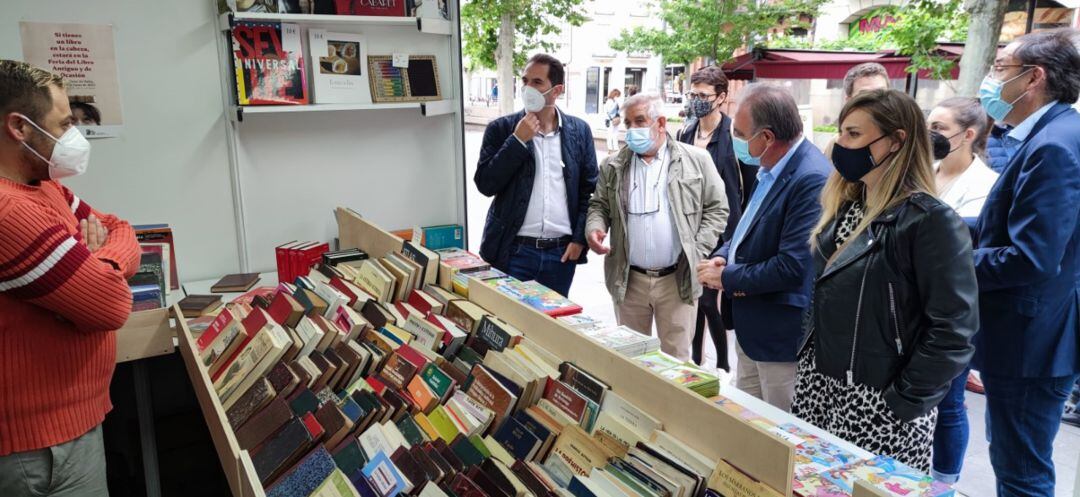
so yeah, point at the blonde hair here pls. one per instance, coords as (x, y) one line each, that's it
(907, 172)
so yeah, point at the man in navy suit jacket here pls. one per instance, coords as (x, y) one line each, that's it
(1027, 259)
(766, 269)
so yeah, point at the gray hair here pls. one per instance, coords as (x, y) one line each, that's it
(1057, 53)
(772, 107)
(655, 103)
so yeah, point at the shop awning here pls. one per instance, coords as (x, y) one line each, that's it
(821, 64)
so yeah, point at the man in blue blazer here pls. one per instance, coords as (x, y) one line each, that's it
(1027, 258)
(766, 269)
(540, 165)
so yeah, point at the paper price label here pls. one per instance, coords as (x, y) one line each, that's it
(401, 60)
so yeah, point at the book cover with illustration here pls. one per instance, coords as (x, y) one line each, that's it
(535, 295)
(881, 472)
(814, 455)
(337, 65)
(269, 62)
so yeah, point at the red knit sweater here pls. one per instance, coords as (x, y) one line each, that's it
(59, 305)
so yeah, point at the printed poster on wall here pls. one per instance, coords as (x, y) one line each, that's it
(85, 55)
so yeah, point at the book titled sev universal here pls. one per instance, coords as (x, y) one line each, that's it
(269, 62)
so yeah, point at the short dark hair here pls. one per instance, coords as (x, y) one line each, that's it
(1057, 53)
(26, 89)
(863, 70)
(711, 75)
(772, 107)
(556, 73)
(90, 111)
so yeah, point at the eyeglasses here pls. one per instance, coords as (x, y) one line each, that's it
(999, 69)
(701, 96)
(641, 191)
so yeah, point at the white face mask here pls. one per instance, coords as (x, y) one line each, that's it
(534, 100)
(70, 155)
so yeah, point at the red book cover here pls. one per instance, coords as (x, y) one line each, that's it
(312, 425)
(268, 59)
(419, 303)
(393, 8)
(313, 255)
(280, 308)
(340, 286)
(254, 322)
(376, 385)
(281, 257)
(402, 309)
(296, 262)
(410, 354)
(215, 328)
(565, 398)
(249, 296)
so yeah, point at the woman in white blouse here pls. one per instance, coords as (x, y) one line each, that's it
(963, 182)
(963, 179)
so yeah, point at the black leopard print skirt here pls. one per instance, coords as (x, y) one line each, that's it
(859, 415)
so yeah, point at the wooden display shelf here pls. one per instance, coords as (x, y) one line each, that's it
(236, 463)
(145, 334)
(686, 415)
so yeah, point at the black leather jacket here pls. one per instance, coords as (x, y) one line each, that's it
(897, 309)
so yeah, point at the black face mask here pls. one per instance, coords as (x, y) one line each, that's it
(942, 147)
(854, 163)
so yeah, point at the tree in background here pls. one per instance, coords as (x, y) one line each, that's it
(920, 26)
(499, 35)
(983, 33)
(713, 29)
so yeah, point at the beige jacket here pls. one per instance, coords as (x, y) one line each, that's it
(698, 204)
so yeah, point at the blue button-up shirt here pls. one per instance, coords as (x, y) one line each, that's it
(766, 179)
(1017, 135)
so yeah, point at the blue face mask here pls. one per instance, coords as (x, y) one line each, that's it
(990, 97)
(640, 140)
(742, 150)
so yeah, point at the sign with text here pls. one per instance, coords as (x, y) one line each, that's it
(85, 56)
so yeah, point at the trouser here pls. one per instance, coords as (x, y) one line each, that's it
(951, 433)
(656, 298)
(613, 138)
(1022, 419)
(545, 266)
(70, 469)
(708, 312)
(773, 382)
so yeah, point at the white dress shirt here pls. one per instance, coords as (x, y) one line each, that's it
(650, 228)
(548, 216)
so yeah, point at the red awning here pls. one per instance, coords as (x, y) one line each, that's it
(820, 64)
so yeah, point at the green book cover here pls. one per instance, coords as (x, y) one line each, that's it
(437, 379)
(631, 482)
(411, 431)
(592, 411)
(464, 449)
(480, 446)
(350, 458)
(440, 419)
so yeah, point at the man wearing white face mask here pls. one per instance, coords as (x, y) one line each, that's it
(63, 290)
(540, 165)
(1027, 258)
(665, 207)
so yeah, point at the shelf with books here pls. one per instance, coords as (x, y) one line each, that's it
(422, 24)
(435, 108)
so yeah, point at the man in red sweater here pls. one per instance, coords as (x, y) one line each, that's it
(63, 291)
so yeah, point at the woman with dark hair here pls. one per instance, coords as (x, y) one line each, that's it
(85, 114)
(894, 303)
(712, 131)
(963, 181)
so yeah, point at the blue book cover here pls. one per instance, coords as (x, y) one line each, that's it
(517, 440)
(383, 476)
(306, 476)
(444, 236)
(578, 488)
